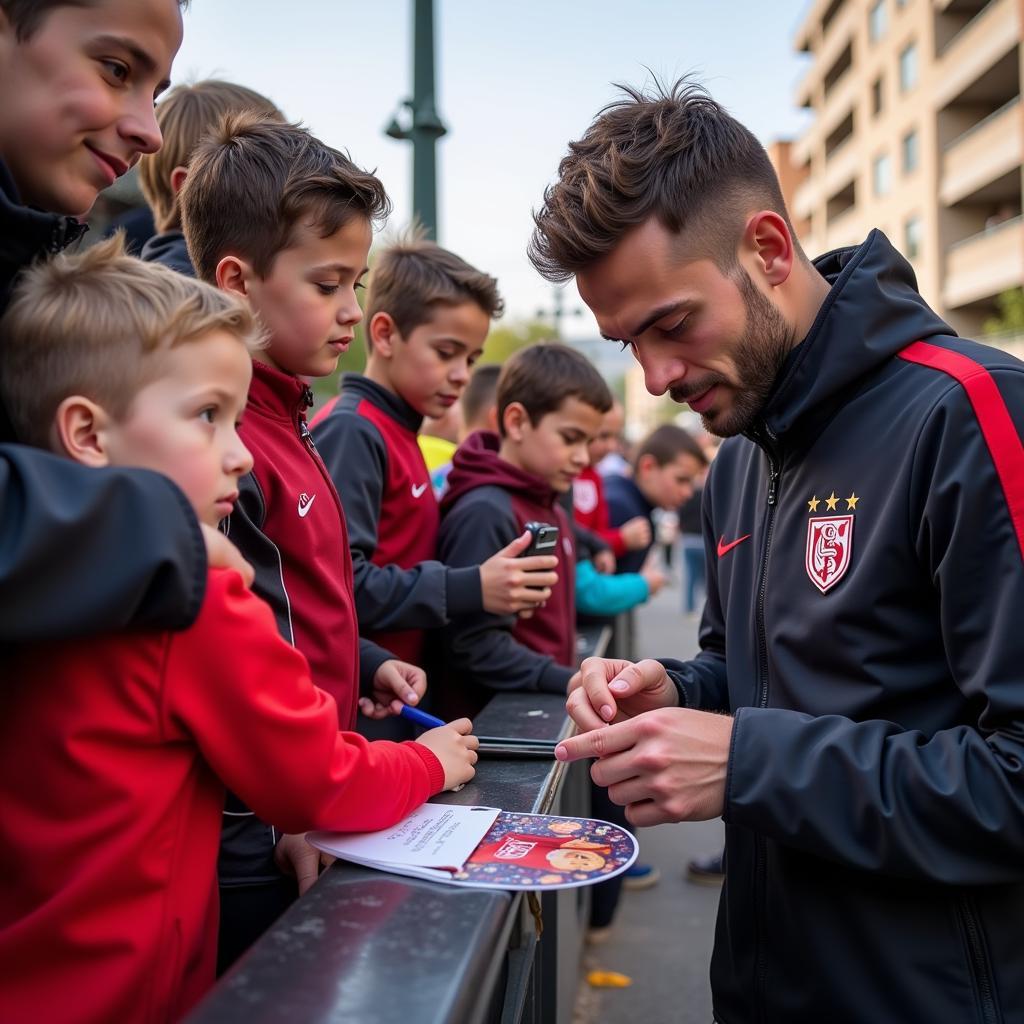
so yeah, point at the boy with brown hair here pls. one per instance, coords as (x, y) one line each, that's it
(277, 217)
(428, 314)
(666, 464)
(117, 748)
(550, 403)
(184, 115)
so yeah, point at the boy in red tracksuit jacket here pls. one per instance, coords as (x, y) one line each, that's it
(273, 215)
(118, 747)
(428, 313)
(550, 403)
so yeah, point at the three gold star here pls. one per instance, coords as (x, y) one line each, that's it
(832, 501)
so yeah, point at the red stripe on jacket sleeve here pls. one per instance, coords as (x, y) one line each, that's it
(997, 427)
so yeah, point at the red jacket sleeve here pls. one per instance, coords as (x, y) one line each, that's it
(245, 696)
(598, 520)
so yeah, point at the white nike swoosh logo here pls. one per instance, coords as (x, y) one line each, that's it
(418, 489)
(303, 509)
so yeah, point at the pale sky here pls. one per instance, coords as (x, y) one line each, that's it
(515, 83)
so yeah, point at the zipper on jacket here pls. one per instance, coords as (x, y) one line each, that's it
(767, 440)
(979, 966)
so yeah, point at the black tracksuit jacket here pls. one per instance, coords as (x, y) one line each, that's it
(868, 636)
(84, 550)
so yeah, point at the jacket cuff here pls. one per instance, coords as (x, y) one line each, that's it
(464, 591)
(555, 678)
(618, 544)
(371, 657)
(677, 682)
(435, 770)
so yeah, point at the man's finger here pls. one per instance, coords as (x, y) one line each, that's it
(614, 769)
(646, 814)
(579, 710)
(610, 740)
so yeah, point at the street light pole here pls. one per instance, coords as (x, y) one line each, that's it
(426, 126)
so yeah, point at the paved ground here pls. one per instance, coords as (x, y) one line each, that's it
(662, 936)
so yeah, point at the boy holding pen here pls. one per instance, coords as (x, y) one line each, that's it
(118, 747)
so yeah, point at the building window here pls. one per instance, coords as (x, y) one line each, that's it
(877, 96)
(876, 21)
(882, 175)
(912, 238)
(910, 152)
(908, 68)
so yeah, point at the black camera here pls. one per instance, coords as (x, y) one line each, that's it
(544, 539)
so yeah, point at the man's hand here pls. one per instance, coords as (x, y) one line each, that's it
(636, 533)
(294, 856)
(604, 561)
(512, 585)
(665, 765)
(222, 554)
(655, 579)
(606, 690)
(395, 683)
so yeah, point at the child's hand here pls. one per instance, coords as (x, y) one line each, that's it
(222, 554)
(294, 856)
(395, 683)
(655, 579)
(455, 747)
(511, 584)
(636, 533)
(604, 561)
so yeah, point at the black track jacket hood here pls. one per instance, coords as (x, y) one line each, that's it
(865, 546)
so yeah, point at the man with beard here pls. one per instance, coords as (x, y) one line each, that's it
(864, 530)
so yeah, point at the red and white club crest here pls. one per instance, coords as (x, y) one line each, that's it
(829, 545)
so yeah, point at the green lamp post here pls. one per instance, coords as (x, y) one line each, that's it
(425, 126)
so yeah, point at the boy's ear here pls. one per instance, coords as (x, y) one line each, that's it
(233, 274)
(645, 464)
(79, 431)
(178, 176)
(515, 421)
(383, 335)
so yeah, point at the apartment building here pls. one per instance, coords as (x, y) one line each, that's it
(917, 129)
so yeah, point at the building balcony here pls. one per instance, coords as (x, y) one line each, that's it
(975, 49)
(838, 37)
(806, 198)
(838, 104)
(842, 167)
(988, 151)
(985, 264)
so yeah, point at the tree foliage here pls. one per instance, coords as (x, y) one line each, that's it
(1011, 313)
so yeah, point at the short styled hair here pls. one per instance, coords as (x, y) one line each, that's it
(673, 154)
(251, 182)
(89, 324)
(481, 392)
(27, 15)
(413, 275)
(666, 443)
(542, 377)
(184, 114)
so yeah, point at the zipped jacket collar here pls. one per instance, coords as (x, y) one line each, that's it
(26, 233)
(394, 405)
(872, 311)
(278, 394)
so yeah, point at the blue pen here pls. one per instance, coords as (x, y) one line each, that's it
(421, 717)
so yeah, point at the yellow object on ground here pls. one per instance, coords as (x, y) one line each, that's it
(608, 979)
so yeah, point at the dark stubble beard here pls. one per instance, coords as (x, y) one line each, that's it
(758, 355)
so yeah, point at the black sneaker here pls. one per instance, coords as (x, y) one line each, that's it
(706, 870)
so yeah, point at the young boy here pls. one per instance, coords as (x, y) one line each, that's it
(276, 217)
(78, 85)
(117, 748)
(428, 313)
(184, 115)
(666, 464)
(550, 403)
